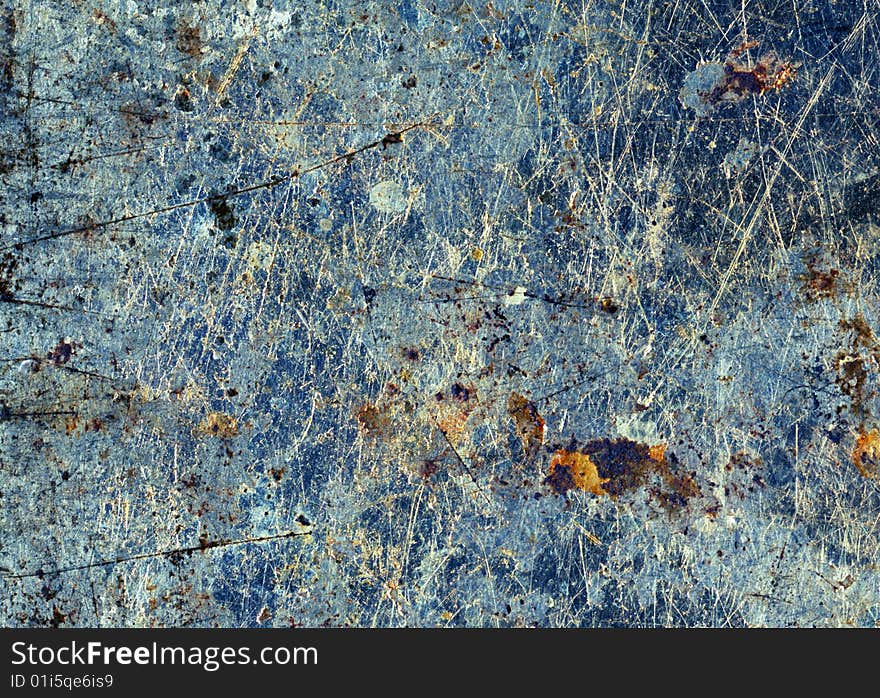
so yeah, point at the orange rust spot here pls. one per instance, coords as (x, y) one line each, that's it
(454, 410)
(866, 453)
(574, 470)
(657, 453)
(769, 73)
(71, 424)
(618, 466)
(219, 424)
(453, 423)
(529, 424)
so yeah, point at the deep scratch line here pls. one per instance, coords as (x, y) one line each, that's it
(267, 184)
(162, 553)
(460, 460)
(12, 300)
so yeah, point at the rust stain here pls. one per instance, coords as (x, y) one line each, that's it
(452, 422)
(94, 424)
(853, 364)
(732, 81)
(58, 618)
(615, 467)
(741, 80)
(529, 423)
(372, 420)
(657, 453)
(574, 470)
(429, 467)
(819, 283)
(863, 335)
(866, 453)
(103, 19)
(454, 409)
(188, 39)
(219, 424)
(608, 305)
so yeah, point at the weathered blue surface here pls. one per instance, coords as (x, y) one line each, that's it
(306, 308)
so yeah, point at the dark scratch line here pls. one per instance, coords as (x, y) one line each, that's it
(12, 300)
(267, 184)
(461, 462)
(72, 162)
(162, 553)
(453, 299)
(6, 414)
(55, 364)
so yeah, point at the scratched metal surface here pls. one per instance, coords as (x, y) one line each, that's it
(455, 313)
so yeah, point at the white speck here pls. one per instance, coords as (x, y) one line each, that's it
(515, 297)
(29, 366)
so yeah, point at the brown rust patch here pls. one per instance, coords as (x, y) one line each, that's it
(277, 474)
(454, 409)
(820, 283)
(58, 618)
(678, 490)
(219, 424)
(615, 467)
(732, 81)
(607, 305)
(429, 467)
(188, 39)
(372, 420)
(529, 424)
(866, 453)
(626, 464)
(94, 424)
(853, 364)
(741, 461)
(852, 377)
(657, 452)
(571, 470)
(741, 80)
(862, 333)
